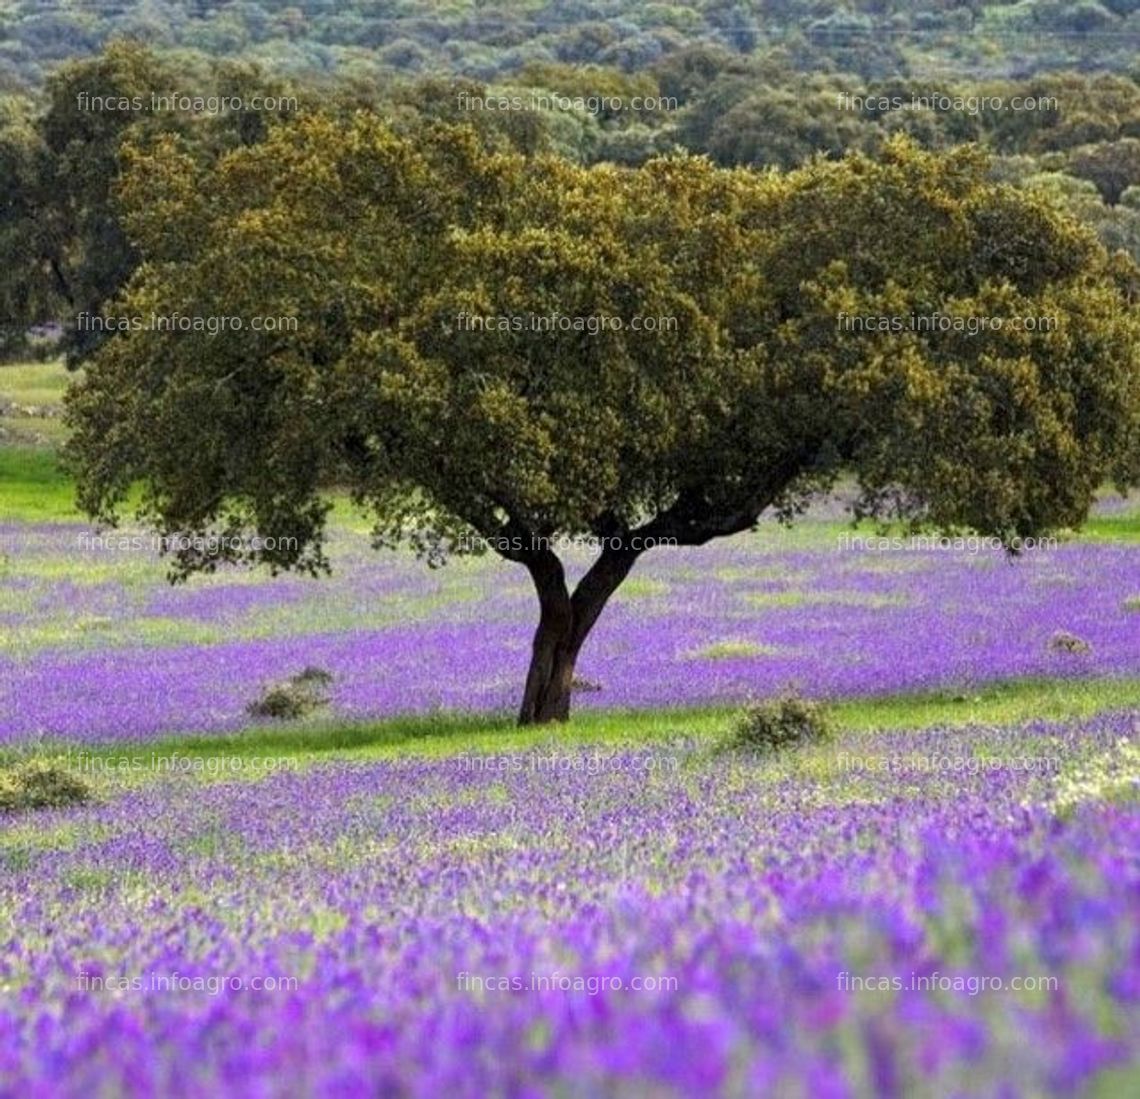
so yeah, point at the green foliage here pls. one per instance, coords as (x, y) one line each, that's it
(40, 785)
(1117, 226)
(523, 348)
(780, 725)
(25, 292)
(775, 106)
(60, 222)
(1112, 166)
(317, 677)
(869, 38)
(384, 248)
(281, 703)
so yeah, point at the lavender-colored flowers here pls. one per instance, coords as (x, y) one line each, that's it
(97, 648)
(476, 926)
(933, 913)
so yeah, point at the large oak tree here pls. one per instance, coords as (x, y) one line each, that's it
(756, 391)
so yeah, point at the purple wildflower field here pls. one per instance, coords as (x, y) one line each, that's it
(96, 647)
(703, 925)
(581, 550)
(899, 912)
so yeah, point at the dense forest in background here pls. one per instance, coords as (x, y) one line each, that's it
(766, 85)
(487, 41)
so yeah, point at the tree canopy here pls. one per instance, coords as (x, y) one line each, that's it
(65, 250)
(487, 40)
(724, 372)
(64, 246)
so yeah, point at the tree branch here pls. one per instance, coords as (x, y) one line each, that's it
(692, 521)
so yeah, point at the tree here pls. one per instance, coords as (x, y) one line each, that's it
(784, 128)
(459, 436)
(28, 292)
(82, 243)
(59, 223)
(1117, 226)
(1113, 167)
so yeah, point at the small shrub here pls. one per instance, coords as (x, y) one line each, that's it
(1064, 642)
(298, 696)
(779, 725)
(1132, 603)
(38, 785)
(281, 702)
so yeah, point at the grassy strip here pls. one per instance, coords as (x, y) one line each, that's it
(33, 386)
(35, 383)
(1110, 528)
(1009, 702)
(436, 736)
(35, 489)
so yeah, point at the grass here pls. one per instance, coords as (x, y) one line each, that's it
(733, 650)
(824, 598)
(89, 631)
(35, 489)
(1004, 703)
(37, 385)
(34, 383)
(642, 587)
(452, 734)
(1110, 528)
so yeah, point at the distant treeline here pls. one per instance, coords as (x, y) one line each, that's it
(63, 249)
(367, 39)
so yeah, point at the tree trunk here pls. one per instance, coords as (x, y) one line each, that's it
(564, 623)
(549, 680)
(547, 693)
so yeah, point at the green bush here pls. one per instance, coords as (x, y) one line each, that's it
(281, 702)
(779, 725)
(39, 785)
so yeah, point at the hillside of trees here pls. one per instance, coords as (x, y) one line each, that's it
(367, 39)
(1049, 90)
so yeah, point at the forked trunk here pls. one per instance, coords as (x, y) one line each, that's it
(564, 623)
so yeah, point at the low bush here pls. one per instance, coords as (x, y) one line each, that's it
(314, 675)
(580, 683)
(779, 725)
(38, 785)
